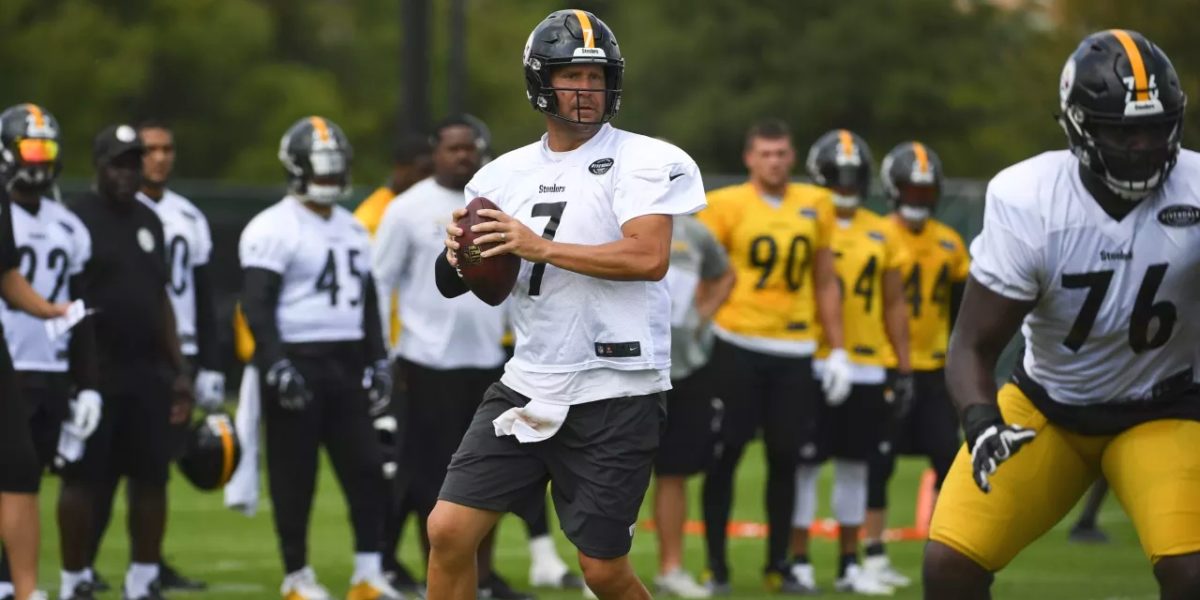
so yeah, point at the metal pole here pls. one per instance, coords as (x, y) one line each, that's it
(457, 83)
(414, 67)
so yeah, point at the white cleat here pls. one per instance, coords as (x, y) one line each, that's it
(373, 587)
(302, 585)
(805, 578)
(858, 581)
(880, 568)
(679, 583)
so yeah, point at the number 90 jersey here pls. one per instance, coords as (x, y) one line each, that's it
(773, 304)
(52, 246)
(323, 264)
(189, 245)
(1114, 301)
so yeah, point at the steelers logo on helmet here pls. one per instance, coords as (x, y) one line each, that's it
(29, 148)
(841, 161)
(316, 156)
(572, 37)
(911, 174)
(1122, 110)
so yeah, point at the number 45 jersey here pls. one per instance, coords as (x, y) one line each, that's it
(323, 264)
(1114, 320)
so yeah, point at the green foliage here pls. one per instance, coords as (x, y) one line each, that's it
(975, 82)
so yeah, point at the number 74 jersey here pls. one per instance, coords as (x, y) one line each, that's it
(1115, 301)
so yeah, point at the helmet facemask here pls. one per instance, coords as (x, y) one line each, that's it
(1132, 157)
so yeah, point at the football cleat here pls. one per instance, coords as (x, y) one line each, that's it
(83, 591)
(880, 568)
(679, 583)
(373, 588)
(856, 580)
(302, 585)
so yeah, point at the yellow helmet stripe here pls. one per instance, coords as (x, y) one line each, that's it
(1141, 84)
(227, 455)
(847, 142)
(36, 112)
(589, 38)
(922, 157)
(322, 129)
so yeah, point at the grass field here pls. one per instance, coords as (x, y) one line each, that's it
(237, 555)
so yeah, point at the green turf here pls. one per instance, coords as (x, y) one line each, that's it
(238, 556)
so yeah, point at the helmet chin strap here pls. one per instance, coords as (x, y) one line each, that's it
(325, 195)
(841, 201)
(914, 214)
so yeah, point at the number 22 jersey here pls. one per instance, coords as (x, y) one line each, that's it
(1113, 321)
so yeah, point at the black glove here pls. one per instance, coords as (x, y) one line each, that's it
(991, 441)
(289, 384)
(385, 430)
(902, 394)
(377, 380)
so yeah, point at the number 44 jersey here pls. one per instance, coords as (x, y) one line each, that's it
(1113, 321)
(323, 264)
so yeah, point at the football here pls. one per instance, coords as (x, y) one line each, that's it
(491, 279)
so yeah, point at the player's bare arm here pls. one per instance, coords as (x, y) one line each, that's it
(986, 323)
(895, 318)
(18, 294)
(181, 387)
(829, 297)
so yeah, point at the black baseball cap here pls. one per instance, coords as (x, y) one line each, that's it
(115, 140)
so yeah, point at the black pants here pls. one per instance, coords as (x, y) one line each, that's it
(930, 429)
(777, 395)
(337, 418)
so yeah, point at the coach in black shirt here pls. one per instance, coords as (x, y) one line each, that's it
(142, 377)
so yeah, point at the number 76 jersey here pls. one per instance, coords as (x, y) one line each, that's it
(1114, 319)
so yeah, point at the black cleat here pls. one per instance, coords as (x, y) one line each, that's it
(496, 588)
(83, 591)
(153, 593)
(171, 579)
(99, 583)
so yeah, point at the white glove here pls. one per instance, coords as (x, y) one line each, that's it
(836, 381)
(85, 414)
(209, 389)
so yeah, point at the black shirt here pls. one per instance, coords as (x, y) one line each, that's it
(125, 281)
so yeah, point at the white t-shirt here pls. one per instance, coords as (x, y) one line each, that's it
(53, 246)
(189, 245)
(323, 263)
(1115, 300)
(572, 330)
(438, 333)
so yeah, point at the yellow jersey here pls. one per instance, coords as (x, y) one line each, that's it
(939, 260)
(771, 250)
(370, 210)
(864, 248)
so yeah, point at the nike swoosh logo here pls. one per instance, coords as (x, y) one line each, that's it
(676, 176)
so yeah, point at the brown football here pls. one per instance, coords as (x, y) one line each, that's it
(491, 279)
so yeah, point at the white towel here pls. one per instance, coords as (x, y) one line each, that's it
(241, 493)
(534, 422)
(70, 445)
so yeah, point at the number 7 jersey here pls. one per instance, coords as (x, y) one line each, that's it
(1115, 302)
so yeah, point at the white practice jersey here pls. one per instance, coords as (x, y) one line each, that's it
(324, 264)
(53, 246)
(189, 245)
(438, 333)
(581, 338)
(1113, 320)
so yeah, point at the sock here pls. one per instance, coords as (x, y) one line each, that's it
(70, 579)
(138, 579)
(846, 561)
(541, 548)
(874, 548)
(366, 565)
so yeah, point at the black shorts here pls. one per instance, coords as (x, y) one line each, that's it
(20, 470)
(49, 398)
(134, 436)
(440, 405)
(694, 414)
(599, 462)
(932, 425)
(856, 428)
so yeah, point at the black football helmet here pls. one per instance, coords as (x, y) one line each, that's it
(912, 180)
(316, 155)
(1122, 110)
(29, 148)
(841, 161)
(212, 452)
(572, 37)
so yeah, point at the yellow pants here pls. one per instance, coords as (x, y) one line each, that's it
(1153, 469)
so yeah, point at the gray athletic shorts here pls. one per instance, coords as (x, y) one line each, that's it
(599, 462)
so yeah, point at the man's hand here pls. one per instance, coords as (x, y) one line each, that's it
(512, 235)
(86, 410)
(181, 399)
(289, 385)
(210, 389)
(903, 394)
(377, 380)
(836, 381)
(452, 232)
(991, 440)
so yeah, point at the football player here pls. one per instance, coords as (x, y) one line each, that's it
(778, 237)
(1094, 254)
(589, 210)
(42, 244)
(912, 180)
(412, 162)
(310, 302)
(868, 257)
(189, 244)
